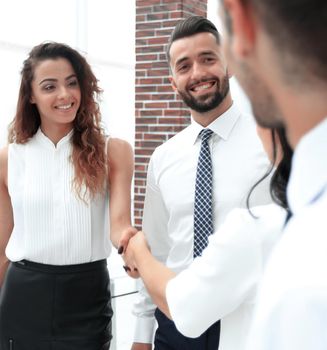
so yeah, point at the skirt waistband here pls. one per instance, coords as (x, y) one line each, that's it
(30, 265)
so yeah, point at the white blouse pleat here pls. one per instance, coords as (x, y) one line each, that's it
(53, 222)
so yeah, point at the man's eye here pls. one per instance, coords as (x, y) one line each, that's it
(183, 68)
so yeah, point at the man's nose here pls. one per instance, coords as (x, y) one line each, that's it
(198, 71)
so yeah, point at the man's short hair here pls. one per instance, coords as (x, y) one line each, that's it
(191, 26)
(298, 28)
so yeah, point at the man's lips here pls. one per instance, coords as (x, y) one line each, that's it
(203, 86)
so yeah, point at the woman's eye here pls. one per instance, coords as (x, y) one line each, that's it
(48, 87)
(73, 83)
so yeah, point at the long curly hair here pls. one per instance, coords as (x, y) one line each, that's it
(88, 140)
(280, 177)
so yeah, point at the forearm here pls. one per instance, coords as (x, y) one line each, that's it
(155, 276)
(123, 230)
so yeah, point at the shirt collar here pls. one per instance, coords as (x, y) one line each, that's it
(222, 126)
(41, 137)
(309, 168)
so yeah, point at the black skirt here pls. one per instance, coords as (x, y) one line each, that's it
(45, 307)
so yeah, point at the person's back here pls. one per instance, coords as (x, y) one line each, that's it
(277, 50)
(294, 293)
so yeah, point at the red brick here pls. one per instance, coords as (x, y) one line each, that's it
(148, 25)
(176, 112)
(149, 49)
(158, 72)
(177, 120)
(146, 120)
(160, 137)
(147, 57)
(144, 152)
(146, 88)
(170, 24)
(158, 128)
(139, 105)
(140, 174)
(140, 183)
(140, 18)
(177, 104)
(163, 32)
(147, 144)
(168, 7)
(176, 14)
(141, 128)
(141, 3)
(165, 97)
(159, 111)
(141, 10)
(143, 97)
(158, 40)
(149, 81)
(165, 88)
(162, 105)
(156, 16)
(141, 160)
(144, 33)
(140, 42)
(140, 73)
(151, 112)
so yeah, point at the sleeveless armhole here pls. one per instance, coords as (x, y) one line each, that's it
(107, 144)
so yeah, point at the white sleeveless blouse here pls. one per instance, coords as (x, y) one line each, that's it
(51, 224)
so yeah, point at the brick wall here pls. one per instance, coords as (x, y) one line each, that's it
(159, 112)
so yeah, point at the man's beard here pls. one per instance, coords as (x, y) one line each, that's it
(207, 103)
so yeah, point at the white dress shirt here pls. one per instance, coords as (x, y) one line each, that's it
(222, 284)
(238, 161)
(292, 308)
(52, 225)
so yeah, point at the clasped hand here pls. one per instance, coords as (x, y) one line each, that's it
(132, 248)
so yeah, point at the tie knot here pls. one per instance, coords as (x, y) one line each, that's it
(205, 134)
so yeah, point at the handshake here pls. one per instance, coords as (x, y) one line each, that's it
(133, 247)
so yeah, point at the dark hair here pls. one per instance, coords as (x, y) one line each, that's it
(280, 177)
(190, 26)
(88, 139)
(298, 29)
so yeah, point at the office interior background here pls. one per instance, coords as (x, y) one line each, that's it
(105, 32)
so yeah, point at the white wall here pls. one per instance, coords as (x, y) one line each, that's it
(102, 29)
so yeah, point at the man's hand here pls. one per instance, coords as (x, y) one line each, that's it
(136, 246)
(125, 236)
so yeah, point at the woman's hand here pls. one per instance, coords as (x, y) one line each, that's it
(137, 247)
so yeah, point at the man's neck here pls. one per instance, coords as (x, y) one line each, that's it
(207, 118)
(302, 112)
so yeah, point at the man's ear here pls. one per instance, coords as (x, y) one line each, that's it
(172, 82)
(229, 72)
(242, 27)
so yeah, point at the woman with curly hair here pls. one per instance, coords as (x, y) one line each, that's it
(56, 178)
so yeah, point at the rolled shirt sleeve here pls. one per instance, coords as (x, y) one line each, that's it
(227, 274)
(154, 225)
